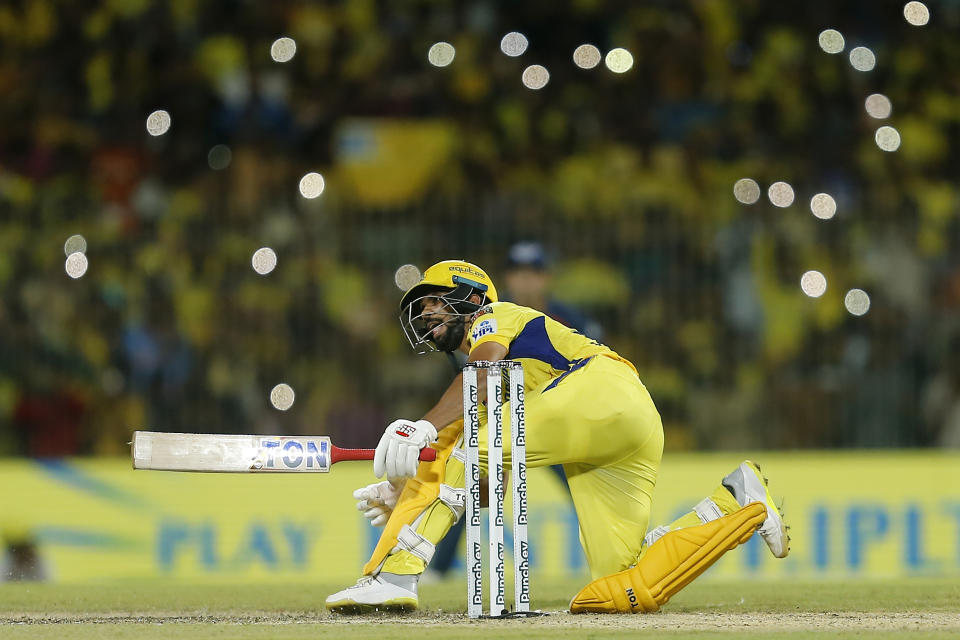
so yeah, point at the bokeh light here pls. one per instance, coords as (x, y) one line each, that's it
(514, 44)
(831, 41)
(535, 77)
(813, 283)
(75, 244)
(283, 49)
(406, 276)
(311, 185)
(158, 122)
(780, 194)
(282, 396)
(746, 190)
(916, 13)
(823, 206)
(441, 54)
(264, 260)
(586, 56)
(857, 302)
(887, 138)
(862, 59)
(76, 265)
(219, 157)
(619, 60)
(878, 106)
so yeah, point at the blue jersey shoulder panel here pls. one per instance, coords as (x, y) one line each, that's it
(533, 342)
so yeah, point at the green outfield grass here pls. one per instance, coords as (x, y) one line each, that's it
(925, 608)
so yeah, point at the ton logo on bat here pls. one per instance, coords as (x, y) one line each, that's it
(301, 453)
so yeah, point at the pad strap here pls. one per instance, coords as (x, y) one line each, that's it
(707, 510)
(455, 499)
(410, 540)
(655, 534)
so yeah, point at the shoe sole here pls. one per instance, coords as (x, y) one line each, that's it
(773, 513)
(350, 607)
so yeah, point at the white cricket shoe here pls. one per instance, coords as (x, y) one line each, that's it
(373, 593)
(749, 485)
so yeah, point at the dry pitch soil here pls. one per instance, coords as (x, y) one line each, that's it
(712, 621)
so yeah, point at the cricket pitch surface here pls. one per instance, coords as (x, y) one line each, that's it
(917, 608)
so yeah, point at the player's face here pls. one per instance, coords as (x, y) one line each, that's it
(436, 314)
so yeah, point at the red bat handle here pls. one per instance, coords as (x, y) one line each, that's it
(339, 455)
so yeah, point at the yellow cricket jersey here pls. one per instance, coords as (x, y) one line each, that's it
(547, 349)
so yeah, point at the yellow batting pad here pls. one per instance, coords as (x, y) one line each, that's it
(669, 565)
(418, 494)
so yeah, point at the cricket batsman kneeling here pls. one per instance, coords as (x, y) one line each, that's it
(585, 409)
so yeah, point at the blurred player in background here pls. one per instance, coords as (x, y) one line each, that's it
(528, 278)
(585, 409)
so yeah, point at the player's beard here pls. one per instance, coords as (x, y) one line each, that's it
(450, 340)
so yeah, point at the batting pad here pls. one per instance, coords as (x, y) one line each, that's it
(669, 565)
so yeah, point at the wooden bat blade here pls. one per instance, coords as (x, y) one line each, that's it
(231, 453)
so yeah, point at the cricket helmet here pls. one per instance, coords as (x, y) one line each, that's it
(451, 274)
(460, 280)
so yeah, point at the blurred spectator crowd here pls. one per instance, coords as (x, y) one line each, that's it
(626, 179)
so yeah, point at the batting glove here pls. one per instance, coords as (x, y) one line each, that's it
(398, 453)
(377, 501)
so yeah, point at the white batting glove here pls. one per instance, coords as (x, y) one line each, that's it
(377, 501)
(399, 449)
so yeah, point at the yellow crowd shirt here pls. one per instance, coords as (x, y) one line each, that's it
(547, 349)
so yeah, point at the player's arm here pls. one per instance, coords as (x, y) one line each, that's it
(449, 408)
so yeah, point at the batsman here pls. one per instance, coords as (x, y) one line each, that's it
(586, 409)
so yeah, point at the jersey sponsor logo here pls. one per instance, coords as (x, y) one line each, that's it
(487, 326)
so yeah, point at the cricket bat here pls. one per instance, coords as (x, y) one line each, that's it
(230, 453)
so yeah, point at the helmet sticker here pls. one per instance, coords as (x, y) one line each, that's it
(467, 270)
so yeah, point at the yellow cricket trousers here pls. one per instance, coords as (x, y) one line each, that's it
(600, 423)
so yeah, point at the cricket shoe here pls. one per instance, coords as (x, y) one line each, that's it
(376, 593)
(749, 485)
